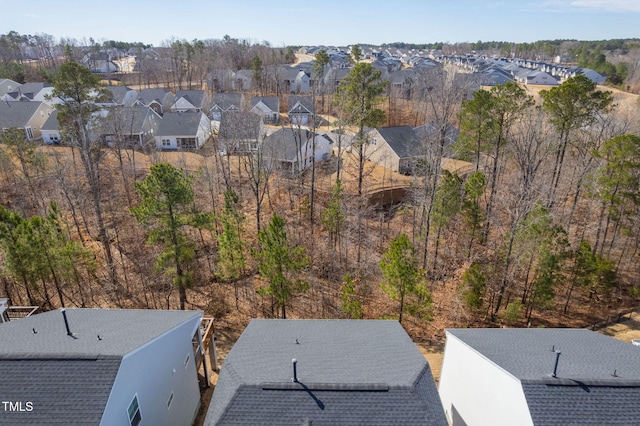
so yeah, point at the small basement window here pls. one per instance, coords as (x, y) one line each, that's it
(134, 412)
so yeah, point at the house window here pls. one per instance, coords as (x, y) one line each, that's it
(186, 361)
(188, 143)
(374, 141)
(169, 401)
(134, 412)
(29, 133)
(166, 142)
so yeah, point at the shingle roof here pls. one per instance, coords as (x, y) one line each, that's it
(226, 100)
(62, 391)
(272, 102)
(118, 93)
(146, 96)
(598, 377)
(121, 332)
(69, 379)
(195, 97)
(284, 144)
(17, 114)
(52, 122)
(349, 372)
(302, 104)
(179, 124)
(403, 141)
(526, 353)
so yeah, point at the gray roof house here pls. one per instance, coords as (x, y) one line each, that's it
(7, 86)
(29, 116)
(430, 135)
(268, 107)
(28, 92)
(290, 149)
(539, 377)
(226, 102)
(183, 130)
(160, 100)
(122, 95)
(330, 372)
(131, 126)
(240, 132)
(100, 366)
(191, 101)
(301, 109)
(51, 129)
(397, 148)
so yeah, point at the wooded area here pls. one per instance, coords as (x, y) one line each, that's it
(544, 230)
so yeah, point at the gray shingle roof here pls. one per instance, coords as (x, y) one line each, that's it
(69, 379)
(62, 391)
(272, 102)
(526, 353)
(585, 391)
(226, 100)
(118, 93)
(179, 124)
(403, 141)
(350, 372)
(121, 332)
(17, 114)
(128, 120)
(146, 96)
(284, 144)
(300, 104)
(52, 122)
(195, 97)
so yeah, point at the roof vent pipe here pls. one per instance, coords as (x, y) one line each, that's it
(555, 367)
(295, 370)
(66, 322)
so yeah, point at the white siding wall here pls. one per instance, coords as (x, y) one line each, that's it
(481, 392)
(149, 373)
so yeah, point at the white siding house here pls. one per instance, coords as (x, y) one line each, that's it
(102, 367)
(538, 376)
(188, 130)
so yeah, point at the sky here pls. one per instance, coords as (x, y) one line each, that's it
(324, 22)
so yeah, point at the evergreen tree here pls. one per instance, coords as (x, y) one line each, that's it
(167, 207)
(403, 278)
(280, 264)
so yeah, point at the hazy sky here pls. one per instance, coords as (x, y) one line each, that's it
(328, 22)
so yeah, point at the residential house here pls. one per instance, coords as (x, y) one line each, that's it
(333, 77)
(395, 148)
(438, 138)
(191, 101)
(220, 80)
(29, 116)
(240, 133)
(101, 366)
(539, 377)
(34, 91)
(160, 100)
(303, 372)
(292, 149)
(122, 95)
(183, 130)
(301, 109)
(7, 86)
(242, 80)
(267, 107)
(100, 62)
(297, 80)
(542, 78)
(226, 102)
(131, 126)
(51, 129)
